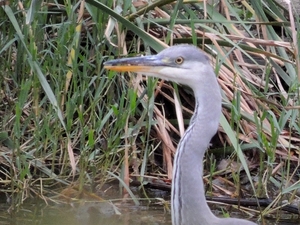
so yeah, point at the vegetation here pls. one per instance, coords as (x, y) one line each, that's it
(66, 122)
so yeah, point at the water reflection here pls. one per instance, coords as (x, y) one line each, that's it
(89, 213)
(92, 213)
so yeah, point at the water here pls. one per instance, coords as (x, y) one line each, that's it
(88, 211)
(92, 213)
(85, 213)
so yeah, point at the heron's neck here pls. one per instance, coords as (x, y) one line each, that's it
(188, 198)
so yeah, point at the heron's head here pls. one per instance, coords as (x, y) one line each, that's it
(185, 64)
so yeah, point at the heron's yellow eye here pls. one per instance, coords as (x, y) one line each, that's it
(179, 60)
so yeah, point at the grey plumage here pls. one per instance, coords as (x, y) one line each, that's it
(187, 65)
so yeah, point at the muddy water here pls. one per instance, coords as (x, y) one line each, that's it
(91, 213)
(88, 213)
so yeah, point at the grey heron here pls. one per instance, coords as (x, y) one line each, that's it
(188, 65)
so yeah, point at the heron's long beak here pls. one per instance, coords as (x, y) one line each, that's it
(147, 64)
